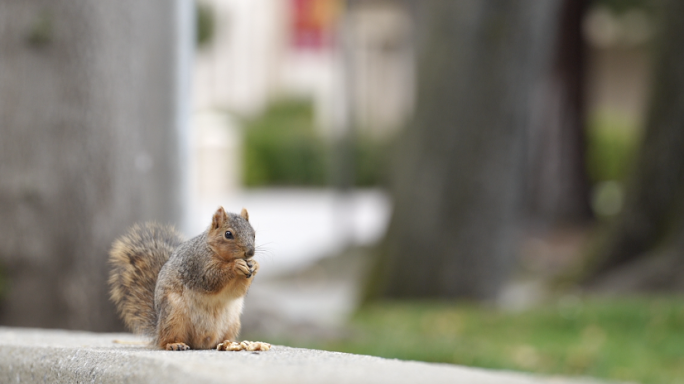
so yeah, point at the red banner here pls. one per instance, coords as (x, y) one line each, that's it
(313, 22)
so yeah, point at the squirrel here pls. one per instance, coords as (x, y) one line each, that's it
(186, 294)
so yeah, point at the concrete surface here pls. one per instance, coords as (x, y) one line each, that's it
(54, 356)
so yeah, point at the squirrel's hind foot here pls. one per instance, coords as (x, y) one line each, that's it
(177, 347)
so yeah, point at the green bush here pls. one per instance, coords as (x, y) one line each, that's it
(205, 24)
(371, 161)
(283, 147)
(612, 144)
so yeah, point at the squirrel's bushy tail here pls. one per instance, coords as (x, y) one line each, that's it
(136, 260)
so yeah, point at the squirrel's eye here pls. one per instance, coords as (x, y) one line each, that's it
(229, 235)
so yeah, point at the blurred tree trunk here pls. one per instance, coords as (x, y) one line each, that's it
(644, 249)
(88, 145)
(460, 172)
(558, 190)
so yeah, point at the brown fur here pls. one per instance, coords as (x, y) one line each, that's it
(226, 249)
(197, 297)
(136, 260)
(217, 323)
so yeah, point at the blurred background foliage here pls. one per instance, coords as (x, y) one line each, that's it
(612, 144)
(205, 24)
(282, 147)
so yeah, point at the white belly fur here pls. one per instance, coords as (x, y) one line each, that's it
(212, 315)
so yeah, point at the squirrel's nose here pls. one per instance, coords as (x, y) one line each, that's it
(249, 251)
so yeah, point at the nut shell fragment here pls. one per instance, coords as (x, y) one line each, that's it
(243, 346)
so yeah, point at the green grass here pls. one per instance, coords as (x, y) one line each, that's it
(639, 339)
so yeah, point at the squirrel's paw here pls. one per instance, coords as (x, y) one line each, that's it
(248, 268)
(242, 266)
(177, 347)
(243, 346)
(253, 265)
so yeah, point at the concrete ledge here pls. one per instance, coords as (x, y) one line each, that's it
(53, 356)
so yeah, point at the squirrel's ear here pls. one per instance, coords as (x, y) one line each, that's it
(244, 214)
(219, 218)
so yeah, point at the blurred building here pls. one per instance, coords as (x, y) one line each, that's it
(619, 63)
(237, 69)
(382, 65)
(354, 61)
(264, 49)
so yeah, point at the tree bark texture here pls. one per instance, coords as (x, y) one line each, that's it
(644, 249)
(88, 146)
(558, 190)
(460, 169)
